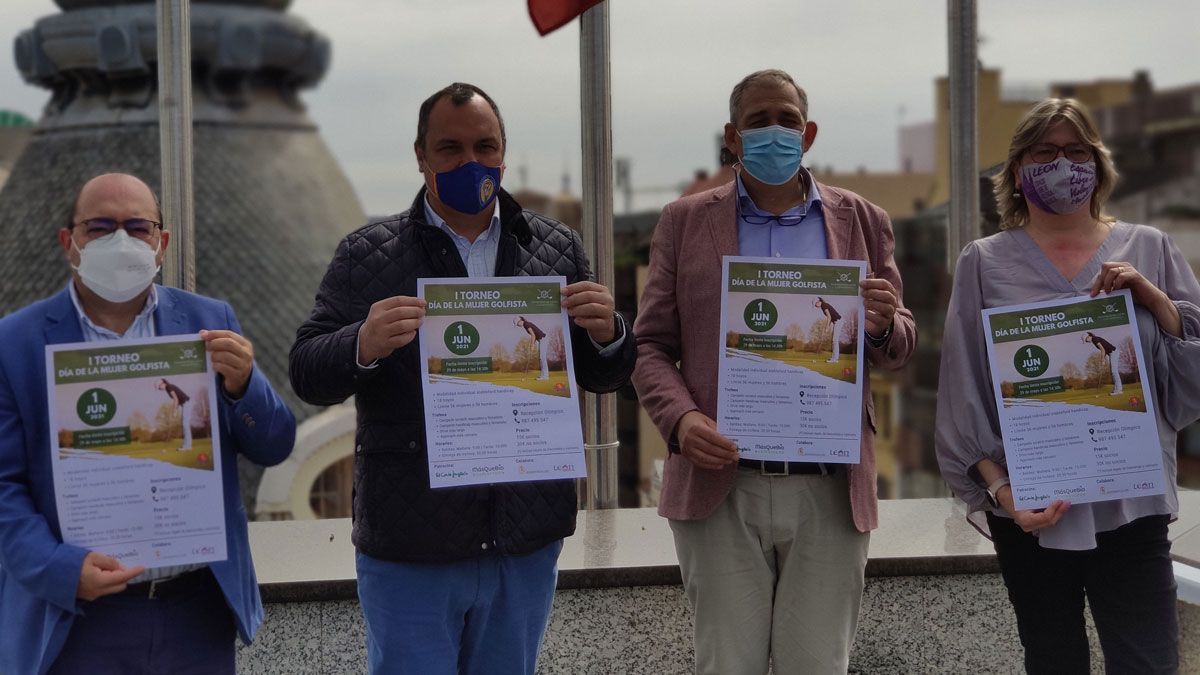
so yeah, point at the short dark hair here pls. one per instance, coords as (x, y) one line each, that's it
(79, 193)
(771, 75)
(459, 93)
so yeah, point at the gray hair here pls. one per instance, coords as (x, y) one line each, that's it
(770, 75)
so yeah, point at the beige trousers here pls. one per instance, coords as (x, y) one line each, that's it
(776, 572)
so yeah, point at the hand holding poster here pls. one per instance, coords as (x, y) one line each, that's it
(790, 383)
(499, 381)
(136, 453)
(1076, 421)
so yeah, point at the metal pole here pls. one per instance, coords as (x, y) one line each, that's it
(175, 139)
(600, 411)
(964, 172)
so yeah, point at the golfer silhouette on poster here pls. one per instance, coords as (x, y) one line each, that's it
(1107, 349)
(184, 403)
(538, 335)
(833, 317)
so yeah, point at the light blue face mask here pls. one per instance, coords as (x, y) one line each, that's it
(772, 154)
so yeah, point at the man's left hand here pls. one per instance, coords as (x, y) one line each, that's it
(880, 301)
(232, 358)
(591, 307)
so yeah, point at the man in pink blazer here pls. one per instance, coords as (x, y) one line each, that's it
(772, 553)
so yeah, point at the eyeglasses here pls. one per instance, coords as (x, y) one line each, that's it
(138, 228)
(785, 220)
(1044, 153)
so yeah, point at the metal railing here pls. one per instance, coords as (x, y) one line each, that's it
(600, 411)
(964, 181)
(175, 138)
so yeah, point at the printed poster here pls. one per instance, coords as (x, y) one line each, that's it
(1077, 421)
(501, 403)
(791, 359)
(135, 449)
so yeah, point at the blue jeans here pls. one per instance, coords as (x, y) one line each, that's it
(483, 615)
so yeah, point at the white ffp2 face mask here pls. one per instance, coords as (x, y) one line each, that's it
(116, 267)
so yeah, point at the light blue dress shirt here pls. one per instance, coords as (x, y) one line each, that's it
(480, 255)
(774, 240)
(142, 327)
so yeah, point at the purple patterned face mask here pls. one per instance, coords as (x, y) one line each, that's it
(1061, 186)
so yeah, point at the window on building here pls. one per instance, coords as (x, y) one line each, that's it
(330, 496)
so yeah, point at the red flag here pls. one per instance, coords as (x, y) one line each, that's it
(550, 15)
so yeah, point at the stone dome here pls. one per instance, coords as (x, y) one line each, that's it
(67, 5)
(271, 202)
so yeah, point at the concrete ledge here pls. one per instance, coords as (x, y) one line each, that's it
(1188, 578)
(302, 561)
(933, 595)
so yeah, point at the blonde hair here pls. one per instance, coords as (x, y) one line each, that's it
(1014, 212)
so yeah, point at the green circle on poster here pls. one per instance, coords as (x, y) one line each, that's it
(461, 338)
(761, 315)
(1031, 361)
(96, 407)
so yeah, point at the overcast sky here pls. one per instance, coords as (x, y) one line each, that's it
(868, 66)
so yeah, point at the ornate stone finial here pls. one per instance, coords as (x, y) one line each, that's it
(68, 5)
(100, 55)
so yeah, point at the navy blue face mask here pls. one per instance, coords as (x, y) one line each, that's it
(469, 188)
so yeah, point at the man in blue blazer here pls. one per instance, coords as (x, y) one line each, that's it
(64, 609)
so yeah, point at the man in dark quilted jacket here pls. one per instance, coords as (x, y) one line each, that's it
(453, 580)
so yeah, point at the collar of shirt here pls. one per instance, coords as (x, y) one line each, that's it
(493, 227)
(142, 326)
(747, 205)
(485, 242)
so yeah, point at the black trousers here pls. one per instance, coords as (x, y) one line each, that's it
(188, 629)
(1129, 584)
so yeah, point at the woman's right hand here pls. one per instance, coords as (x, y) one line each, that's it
(1032, 521)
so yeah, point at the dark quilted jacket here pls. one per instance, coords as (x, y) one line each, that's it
(396, 515)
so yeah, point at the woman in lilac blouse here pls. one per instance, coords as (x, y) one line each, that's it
(1056, 243)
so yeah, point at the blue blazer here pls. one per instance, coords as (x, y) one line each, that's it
(39, 574)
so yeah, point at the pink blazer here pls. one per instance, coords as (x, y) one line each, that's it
(677, 332)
